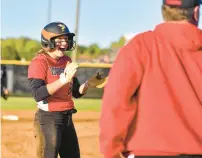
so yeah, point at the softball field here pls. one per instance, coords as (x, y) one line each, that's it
(17, 139)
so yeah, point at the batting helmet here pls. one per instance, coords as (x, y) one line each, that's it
(54, 30)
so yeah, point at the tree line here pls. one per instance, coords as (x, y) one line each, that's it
(26, 48)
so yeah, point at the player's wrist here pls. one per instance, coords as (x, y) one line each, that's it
(87, 85)
(63, 79)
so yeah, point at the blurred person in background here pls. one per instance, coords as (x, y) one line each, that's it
(53, 81)
(152, 102)
(106, 59)
(4, 89)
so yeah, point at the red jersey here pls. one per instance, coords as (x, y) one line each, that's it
(152, 103)
(48, 69)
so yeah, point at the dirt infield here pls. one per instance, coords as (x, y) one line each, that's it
(18, 141)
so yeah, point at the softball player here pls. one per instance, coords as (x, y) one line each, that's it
(4, 89)
(53, 83)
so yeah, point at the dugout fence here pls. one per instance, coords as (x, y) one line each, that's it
(18, 83)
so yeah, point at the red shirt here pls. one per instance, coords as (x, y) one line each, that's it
(48, 69)
(164, 116)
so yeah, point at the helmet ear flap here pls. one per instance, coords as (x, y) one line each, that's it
(46, 43)
(71, 43)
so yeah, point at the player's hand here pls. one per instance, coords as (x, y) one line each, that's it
(69, 72)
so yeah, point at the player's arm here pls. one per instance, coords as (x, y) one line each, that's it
(41, 91)
(119, 104)
(78, 89)
(84, 88)
(96, 81)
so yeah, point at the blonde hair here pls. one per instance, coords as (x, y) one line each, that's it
(175, 14)
(44, 51)
(41, 51)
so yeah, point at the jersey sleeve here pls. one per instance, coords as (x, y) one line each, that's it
(37, 69)
(67, 59)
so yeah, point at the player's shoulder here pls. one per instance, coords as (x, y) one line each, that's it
(38, 59)
(67, 58)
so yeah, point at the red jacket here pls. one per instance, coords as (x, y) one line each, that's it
(152, 103)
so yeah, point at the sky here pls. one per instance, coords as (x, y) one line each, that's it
(100, 21)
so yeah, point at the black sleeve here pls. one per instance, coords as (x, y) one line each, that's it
(39, 89)
(75, 89)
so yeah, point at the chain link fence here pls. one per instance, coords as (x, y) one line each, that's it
(18, 82)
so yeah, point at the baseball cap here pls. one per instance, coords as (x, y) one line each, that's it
(182, 3)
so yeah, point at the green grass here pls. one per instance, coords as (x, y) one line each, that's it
(28, 103)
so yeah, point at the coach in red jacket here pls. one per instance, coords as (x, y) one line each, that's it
(152, 103)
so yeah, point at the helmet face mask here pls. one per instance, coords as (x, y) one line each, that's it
(55, 30)
(63, 43)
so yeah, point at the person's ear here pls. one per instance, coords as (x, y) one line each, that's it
(196, 13)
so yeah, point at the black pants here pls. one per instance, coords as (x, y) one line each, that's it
(55, 134)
